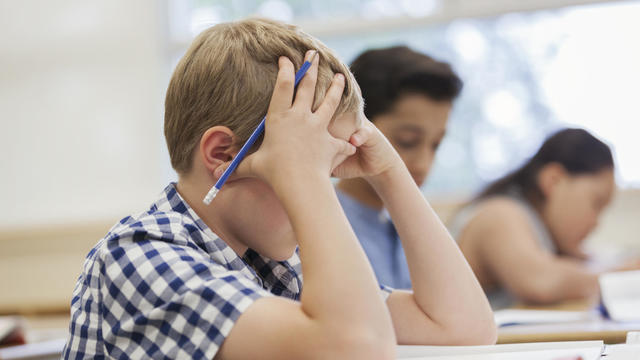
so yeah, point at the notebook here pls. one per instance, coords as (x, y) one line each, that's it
(620, 292)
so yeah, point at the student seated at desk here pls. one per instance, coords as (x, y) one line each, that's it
(522, 235)
(408, 96)
(187, 280)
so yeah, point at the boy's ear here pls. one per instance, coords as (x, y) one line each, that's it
(549, 176)
(216, 147)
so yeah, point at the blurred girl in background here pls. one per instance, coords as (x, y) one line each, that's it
(522, 235)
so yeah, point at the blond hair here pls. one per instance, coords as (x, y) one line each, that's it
(227, 77)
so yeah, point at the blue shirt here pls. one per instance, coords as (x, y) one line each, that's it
(379, 240)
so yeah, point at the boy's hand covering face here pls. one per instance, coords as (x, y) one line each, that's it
(374, 155)
(297, 140)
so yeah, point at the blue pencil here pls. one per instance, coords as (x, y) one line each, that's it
(252, 139)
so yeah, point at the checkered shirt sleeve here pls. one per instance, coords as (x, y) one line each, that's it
(148, 293)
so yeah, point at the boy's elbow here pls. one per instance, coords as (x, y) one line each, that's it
(486, 334)
(487, 331)
(363, 344)
(482, 332)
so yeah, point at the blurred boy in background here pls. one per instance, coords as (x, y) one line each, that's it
(408, 96)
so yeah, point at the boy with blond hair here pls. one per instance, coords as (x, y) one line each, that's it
(187, 280)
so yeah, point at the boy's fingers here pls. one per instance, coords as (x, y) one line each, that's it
(283, 91)
(332, 98)
(217, 173)
(345, 148)
(242, 170)
(361, 136)
(307, 87)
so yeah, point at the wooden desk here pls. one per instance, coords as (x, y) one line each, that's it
(39, 266)
(610, 332)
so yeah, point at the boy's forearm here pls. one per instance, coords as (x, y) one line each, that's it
(444, 285)
(339, 284)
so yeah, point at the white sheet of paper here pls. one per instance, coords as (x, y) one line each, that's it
(589, 350)
(621, 294)
(622, 352)
(37, 351)
(526, 317)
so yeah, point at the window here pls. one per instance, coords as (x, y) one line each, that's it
(526, 73)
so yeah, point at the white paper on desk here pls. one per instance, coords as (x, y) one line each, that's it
(621, 295)
(526, 317)
(584, 354)
(622, 352)
(589, 350)
(47, 350)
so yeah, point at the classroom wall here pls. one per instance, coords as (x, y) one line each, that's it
(81, 95)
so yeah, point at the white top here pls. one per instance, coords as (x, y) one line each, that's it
(500, 298)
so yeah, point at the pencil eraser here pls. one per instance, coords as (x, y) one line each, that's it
(210, 195)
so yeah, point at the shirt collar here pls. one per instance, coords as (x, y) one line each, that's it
(283, 278)
(171, 201)
(382, 216)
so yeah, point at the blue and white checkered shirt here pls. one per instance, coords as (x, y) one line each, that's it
(163, 285)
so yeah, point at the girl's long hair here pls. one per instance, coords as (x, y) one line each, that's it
(576, 150)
